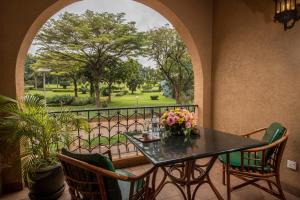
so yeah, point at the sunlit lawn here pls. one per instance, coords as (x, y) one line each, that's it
(136, 99)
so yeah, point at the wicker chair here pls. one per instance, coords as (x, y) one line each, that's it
(89, 182)
(258, 164)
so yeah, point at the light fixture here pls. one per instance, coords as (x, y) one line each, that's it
(286, 12)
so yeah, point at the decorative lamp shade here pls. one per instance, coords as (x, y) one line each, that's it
(286, 13)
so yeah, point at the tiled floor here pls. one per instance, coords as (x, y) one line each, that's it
(171, 193)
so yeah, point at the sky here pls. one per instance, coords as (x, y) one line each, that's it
(145, 17)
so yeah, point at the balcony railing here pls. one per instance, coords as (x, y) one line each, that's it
(107, 126)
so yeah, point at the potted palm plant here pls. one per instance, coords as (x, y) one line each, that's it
(39, 133)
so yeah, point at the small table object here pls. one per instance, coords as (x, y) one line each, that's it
(143, 137)
(179, 154)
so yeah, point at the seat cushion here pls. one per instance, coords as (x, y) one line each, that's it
(112, 187)
(236, 159)
(125, 185)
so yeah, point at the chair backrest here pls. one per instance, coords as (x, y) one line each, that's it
(273, 133)
(83, 182)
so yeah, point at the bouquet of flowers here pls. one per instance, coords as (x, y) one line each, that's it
(179, 121)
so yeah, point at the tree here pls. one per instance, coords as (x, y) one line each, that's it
(114, 72)
(151, 76)
(66, 68)
(91, 39)
(166, 48)
(28, 72)
(134, 77)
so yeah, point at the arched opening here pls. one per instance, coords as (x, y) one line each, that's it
(158, 6)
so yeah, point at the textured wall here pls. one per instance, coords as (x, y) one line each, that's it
(15, 21)
(256, 74)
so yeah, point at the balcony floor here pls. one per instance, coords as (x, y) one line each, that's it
(171, 193)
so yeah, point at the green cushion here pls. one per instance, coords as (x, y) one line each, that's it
(235, 159)
(274, 132)
(125, 185)
(91, 158)
(112, 187)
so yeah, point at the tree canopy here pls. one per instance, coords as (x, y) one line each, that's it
(92, 39)
(104, 48)
(166, 48)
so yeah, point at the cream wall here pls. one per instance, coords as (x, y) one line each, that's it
(256, 74)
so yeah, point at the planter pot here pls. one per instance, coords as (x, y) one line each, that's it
(48, 183)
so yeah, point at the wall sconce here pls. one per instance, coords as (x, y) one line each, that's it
(286, 12)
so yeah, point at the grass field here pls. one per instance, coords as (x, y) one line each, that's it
(136, 99)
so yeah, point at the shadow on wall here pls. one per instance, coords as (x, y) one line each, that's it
(265, 7)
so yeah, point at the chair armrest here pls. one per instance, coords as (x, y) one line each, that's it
(101, 171)
(265, 147)
(253, 132)
(108, 152)
(141, 176)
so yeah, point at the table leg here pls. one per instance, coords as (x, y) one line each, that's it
(187, 177)
(228, 176)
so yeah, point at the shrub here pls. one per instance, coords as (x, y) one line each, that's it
(39, 96)
(119, 94)
(150, 91)
(62, 90)
(147, 87)
(83, 89)
(29, 87)
(154, 97)
(122, 93)
(64, 84)
(105, 92)
(82, 101)
(61, 99)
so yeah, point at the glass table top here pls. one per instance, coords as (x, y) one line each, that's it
(174, 149)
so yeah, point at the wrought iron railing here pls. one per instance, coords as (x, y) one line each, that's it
(107, 126)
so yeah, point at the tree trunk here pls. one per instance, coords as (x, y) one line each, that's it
(57, 81)
(92, 88)
(178, 96)
(75, 87)
(97, 93)
(109, 93)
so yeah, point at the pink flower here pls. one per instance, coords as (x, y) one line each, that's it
(188, 124)
(171, 120)
(171, 114)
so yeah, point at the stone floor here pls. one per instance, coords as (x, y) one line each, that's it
(171, 193)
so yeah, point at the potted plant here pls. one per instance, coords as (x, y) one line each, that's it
(39, 132)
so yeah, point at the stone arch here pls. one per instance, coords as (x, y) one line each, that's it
(200, 89)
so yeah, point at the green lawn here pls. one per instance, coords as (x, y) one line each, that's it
(136, 99)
